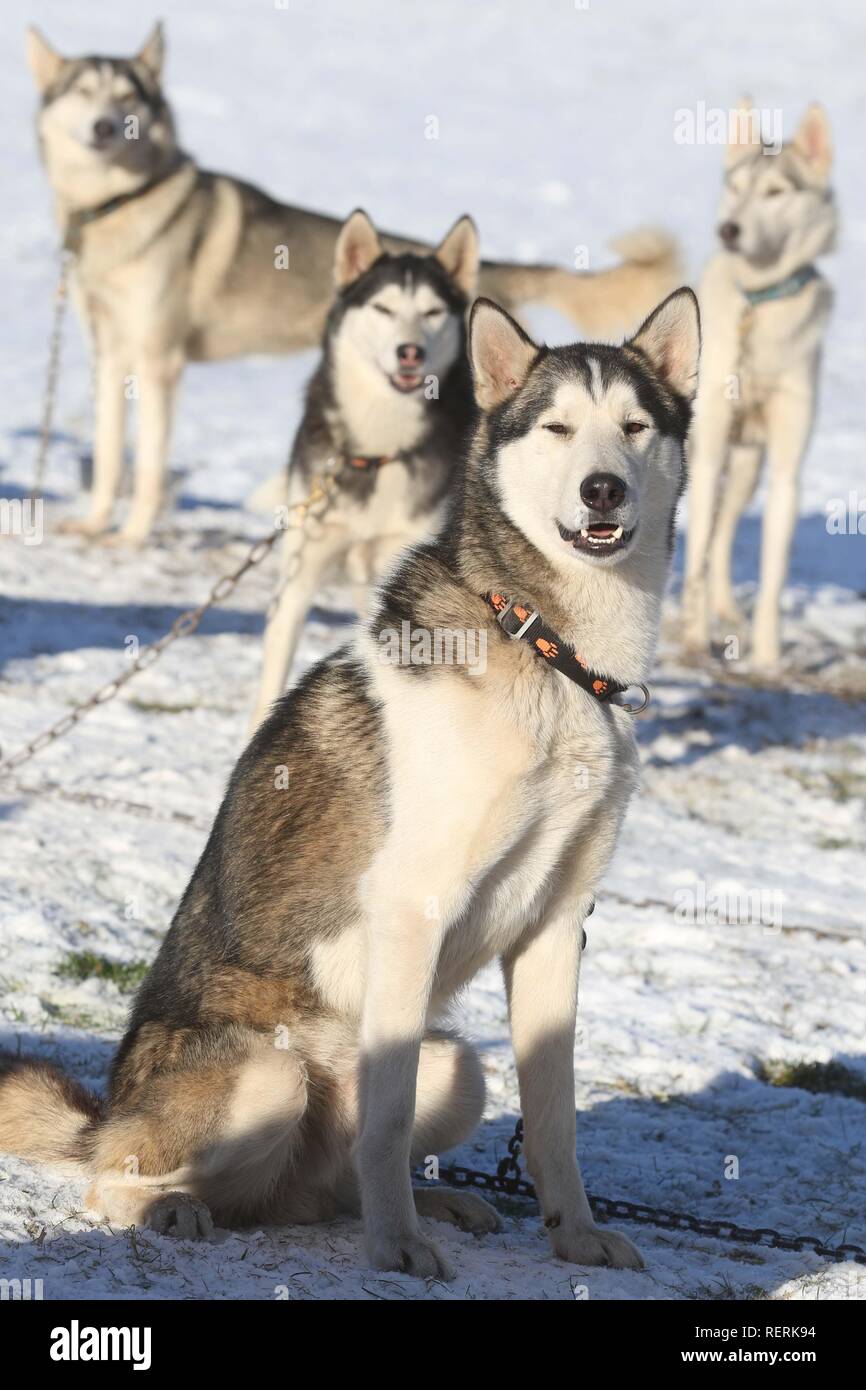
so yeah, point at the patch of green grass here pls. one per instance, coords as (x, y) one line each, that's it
(839, 784)
(78, 1018)
(823, 1078)
(725, 1292)
(86, 965)
(158, 707)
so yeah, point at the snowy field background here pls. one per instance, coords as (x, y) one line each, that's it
(556, 130)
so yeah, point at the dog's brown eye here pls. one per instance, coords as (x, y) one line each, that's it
(380, 309)
(433, 313)
(635, 427)
(556, 428)
(773, 192)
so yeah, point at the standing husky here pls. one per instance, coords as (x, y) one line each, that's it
(175, 264)
(765, 309)
(389, 406)
(393, 826)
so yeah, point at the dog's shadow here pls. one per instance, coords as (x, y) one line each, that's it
(750, 717)
(47, 627)
(737, 1150)
(818, 556)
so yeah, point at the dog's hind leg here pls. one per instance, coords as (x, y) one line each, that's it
(449, 1101)
(744, 465)
(448, 1107)
(204, 1143)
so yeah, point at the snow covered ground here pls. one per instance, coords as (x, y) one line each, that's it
(555, 130)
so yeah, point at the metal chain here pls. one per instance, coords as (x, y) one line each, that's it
(61, 299)
(508, 1180)
(322, 491)
(107, 803)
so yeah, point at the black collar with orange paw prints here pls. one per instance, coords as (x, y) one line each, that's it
(518, 621)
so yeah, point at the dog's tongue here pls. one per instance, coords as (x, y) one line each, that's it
(603, 532)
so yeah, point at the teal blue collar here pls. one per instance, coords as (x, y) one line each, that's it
(792, 284)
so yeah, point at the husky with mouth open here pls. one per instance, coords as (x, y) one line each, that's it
(388, 409)
(175, 264)
(289, 1056)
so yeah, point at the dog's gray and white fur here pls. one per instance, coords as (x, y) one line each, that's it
(190, 271)
(288, 1056)
(388, 409)
(758, 392)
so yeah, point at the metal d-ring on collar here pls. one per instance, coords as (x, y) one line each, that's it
(625, 700)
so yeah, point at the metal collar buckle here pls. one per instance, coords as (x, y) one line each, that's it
(501, 616)
(626, 699)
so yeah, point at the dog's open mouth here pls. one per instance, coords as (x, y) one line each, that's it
(598, 539)
(406, 380)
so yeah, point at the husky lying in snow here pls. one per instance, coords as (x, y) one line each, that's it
(175, 264)
(390, 406)
(765, 309)
(392, 827)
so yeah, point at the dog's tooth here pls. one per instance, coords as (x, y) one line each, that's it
(584, 532)
(617, 534)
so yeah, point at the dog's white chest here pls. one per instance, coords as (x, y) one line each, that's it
(548, 818)
(491, 814)
(388, 508)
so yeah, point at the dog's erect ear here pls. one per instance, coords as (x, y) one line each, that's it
(358, 247)
(44, 63)
(500, 352)
(744, 131)
(671, 339)
(459, 253)
(812, 141)
(152, 52)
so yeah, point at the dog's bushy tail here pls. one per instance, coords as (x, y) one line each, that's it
(604, 304)
(44, 1114)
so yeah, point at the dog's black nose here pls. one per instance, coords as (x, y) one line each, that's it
(103, 129)
(602, 491)
(729, 233)
(410, 354)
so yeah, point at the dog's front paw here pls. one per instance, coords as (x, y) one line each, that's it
(87, 526)
(178, 1214)
(411, 1253)
(728, 612)
(128, 538)
(695, 628)
(766, 650)
(593, 1245)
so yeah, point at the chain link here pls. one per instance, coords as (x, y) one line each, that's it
(509, 1180)
(321, 493)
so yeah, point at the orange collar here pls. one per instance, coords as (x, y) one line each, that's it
(519, 621)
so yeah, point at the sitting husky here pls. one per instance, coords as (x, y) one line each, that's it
(765, 309)
(395, 825)
(388, 408)
(174, 264)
